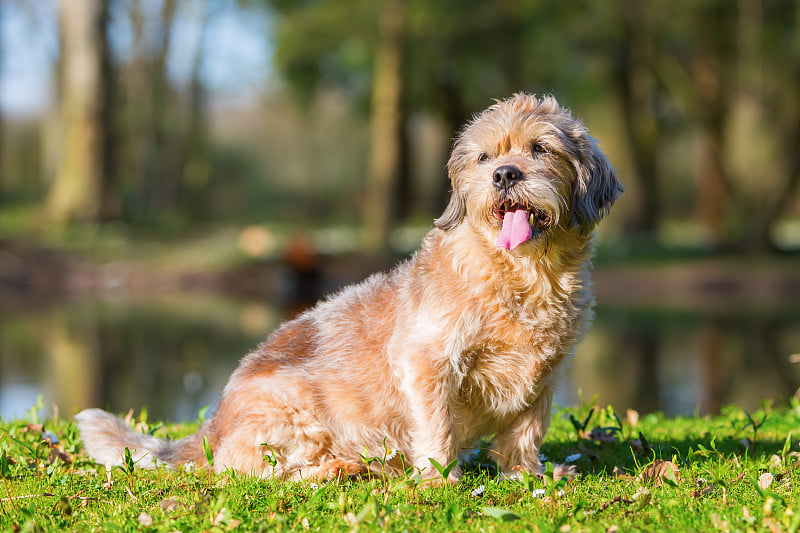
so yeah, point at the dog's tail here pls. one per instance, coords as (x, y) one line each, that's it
(105, 438)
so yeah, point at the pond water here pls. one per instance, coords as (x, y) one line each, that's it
(174, 352)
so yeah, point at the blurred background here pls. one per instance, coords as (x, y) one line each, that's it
(178, 176)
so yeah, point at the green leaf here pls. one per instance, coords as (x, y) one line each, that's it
(439, 468)
(4, 461)
(645, 445)
(449, 468)
(787, 444)
(444, 471)
(575, 423)
(503, 515)
(669, 478)
(549, 473)
(128, 460)
(586, 420)
(270, 457)
(369, 511)
(207, 450)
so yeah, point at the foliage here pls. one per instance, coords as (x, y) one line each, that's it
(696, 101)
(708, 473)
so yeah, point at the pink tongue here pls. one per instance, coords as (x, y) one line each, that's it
(516, 229)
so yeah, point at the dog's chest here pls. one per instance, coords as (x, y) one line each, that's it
(510, 357)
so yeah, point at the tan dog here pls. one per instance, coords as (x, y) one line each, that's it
(466, 339)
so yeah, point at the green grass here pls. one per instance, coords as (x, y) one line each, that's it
(627, 480)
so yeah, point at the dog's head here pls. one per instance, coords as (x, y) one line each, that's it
(525, 168)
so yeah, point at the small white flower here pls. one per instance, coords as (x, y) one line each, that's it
(188, 467)
(478, 491)
(572, 458)
(313, 486)
(390, 454)
(538, 493)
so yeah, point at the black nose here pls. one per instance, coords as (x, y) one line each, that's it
(506, 176)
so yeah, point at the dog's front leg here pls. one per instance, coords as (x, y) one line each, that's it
(424, 383)
(519, 444)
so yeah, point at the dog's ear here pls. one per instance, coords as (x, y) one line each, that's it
(456, 209)
(596, 188)
(453, 213)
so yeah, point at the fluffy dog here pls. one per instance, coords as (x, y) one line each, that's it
(464, 340)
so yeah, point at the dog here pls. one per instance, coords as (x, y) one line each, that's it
(466, 339)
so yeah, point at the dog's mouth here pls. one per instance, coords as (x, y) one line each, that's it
(520, 223)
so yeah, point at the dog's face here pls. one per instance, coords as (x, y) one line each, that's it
(525, 169)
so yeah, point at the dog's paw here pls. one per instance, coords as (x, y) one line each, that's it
(339, 469)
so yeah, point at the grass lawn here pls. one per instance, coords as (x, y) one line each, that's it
(736, 471)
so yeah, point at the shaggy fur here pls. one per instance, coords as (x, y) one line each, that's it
(464, 340)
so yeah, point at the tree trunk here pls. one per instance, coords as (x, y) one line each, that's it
(636, 89)
(196, 162)
(2, 145)
(790, 156)
(455, 116)
(110, 208)
(711, 73)
(75, 193)
(166, 179)
(385, 130)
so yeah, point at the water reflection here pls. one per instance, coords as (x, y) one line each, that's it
(173, 354)
(681, 363)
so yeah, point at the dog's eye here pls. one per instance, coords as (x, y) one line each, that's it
(539, 148)
(483, 157)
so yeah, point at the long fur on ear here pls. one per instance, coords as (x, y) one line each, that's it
(456, 209)
(453, 213)
(596, 188)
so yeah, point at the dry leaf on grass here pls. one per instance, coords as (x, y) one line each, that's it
(637, 446)
(220, 517)
(33, 428)
(145, 519)
(793, 460)
(658, 471)
(618, 472)
(704, 491)
(57, 453)
(633, 417)
(641, 499)
(168, 505)
(607, 435)
(765, 480)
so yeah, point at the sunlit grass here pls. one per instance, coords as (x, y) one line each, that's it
(734, 471)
